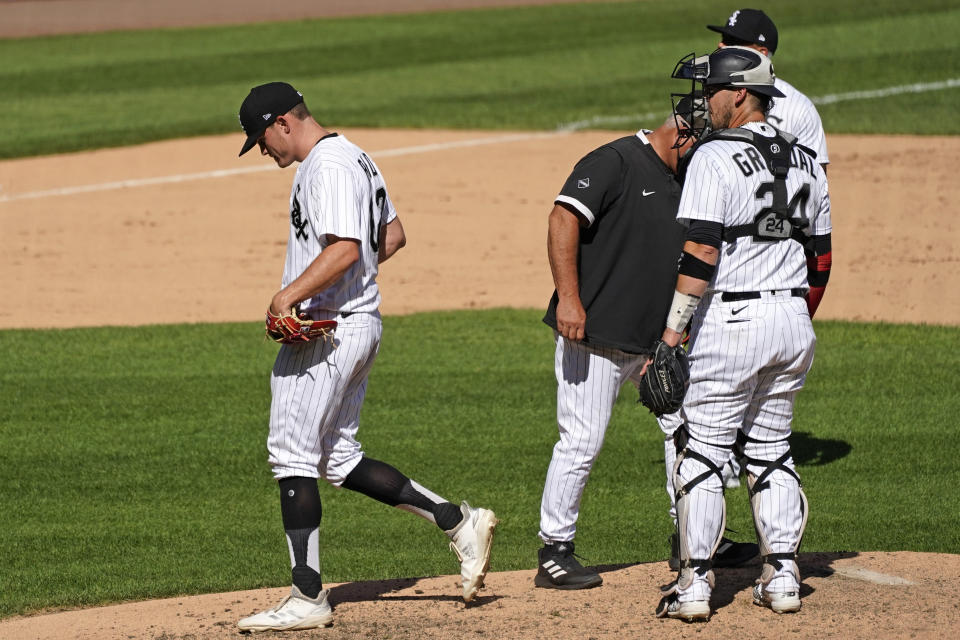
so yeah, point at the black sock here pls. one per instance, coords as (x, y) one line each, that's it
(301, 511)
(383, 482)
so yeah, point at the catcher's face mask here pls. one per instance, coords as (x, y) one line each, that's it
(690, 109)
(691, 115)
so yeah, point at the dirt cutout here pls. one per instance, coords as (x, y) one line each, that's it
(184, 231)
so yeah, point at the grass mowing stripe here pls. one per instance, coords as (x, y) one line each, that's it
(594, 121)
(523, 67)
(133, 463)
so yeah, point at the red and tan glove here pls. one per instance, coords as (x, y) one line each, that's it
(294, 327)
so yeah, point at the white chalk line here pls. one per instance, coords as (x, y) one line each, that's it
(919, 87)
(222, 173)
(563, 129)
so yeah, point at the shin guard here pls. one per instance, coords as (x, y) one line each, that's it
(694, 562)
(767, 508)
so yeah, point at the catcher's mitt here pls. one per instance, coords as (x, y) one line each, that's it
(665, 382)
(293, 327)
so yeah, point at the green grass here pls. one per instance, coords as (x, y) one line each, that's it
(528, 67)
(133, 462)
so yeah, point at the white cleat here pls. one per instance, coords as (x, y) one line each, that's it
(692, 611)
(297, 611)
(472, 540)
(777, 602)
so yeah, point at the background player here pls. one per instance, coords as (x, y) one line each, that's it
(342, 224)
(794, 113)
(744, 272)
(612, 242)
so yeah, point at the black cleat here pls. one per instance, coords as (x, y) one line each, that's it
(734, 554)
(729, 553)
(559, 569)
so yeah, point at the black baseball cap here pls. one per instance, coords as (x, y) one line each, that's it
(262, 106)
(750, 26)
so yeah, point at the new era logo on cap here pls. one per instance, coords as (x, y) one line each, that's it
(261, 108)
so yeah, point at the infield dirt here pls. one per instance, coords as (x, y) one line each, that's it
(148, 234)
(141, 235)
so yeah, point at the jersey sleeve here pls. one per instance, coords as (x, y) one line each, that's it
(822, 224)
(705, 191)
(387, 211)
(594, 182)
(390, 211)
(335, 209)
(810, 132)
(814, 136)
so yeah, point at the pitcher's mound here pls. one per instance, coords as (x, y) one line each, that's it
(871, 595)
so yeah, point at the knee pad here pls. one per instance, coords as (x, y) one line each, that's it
(693, 457)
(767, 463)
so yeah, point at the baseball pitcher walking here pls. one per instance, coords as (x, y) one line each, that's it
(342, 225)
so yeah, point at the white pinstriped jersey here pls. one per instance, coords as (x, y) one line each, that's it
(722, 185)
(796, 114)
(338, 190)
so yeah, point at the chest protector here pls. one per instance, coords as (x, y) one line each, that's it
(782, 220)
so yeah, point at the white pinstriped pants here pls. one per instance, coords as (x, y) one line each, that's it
(588, 382)
(318, 389)
(748, 360)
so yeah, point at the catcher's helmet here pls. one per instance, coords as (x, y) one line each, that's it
(727, 67)
(731, 67)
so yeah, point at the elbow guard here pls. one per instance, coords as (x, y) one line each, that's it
(691, 265)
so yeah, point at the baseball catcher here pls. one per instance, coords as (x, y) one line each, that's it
(665, 382)
(293, 327)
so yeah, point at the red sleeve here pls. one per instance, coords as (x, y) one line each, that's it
(818, 273)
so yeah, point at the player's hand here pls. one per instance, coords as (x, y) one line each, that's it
(571, 319)
(671, 337)
(280, 304)
(645, 365)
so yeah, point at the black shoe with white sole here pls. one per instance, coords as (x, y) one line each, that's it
(559, 569)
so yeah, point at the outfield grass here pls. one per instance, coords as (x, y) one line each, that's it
(528, 67)
(133, 464)
(133, 459)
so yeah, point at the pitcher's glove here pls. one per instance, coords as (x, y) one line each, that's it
(293, 327)
(665, 382)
